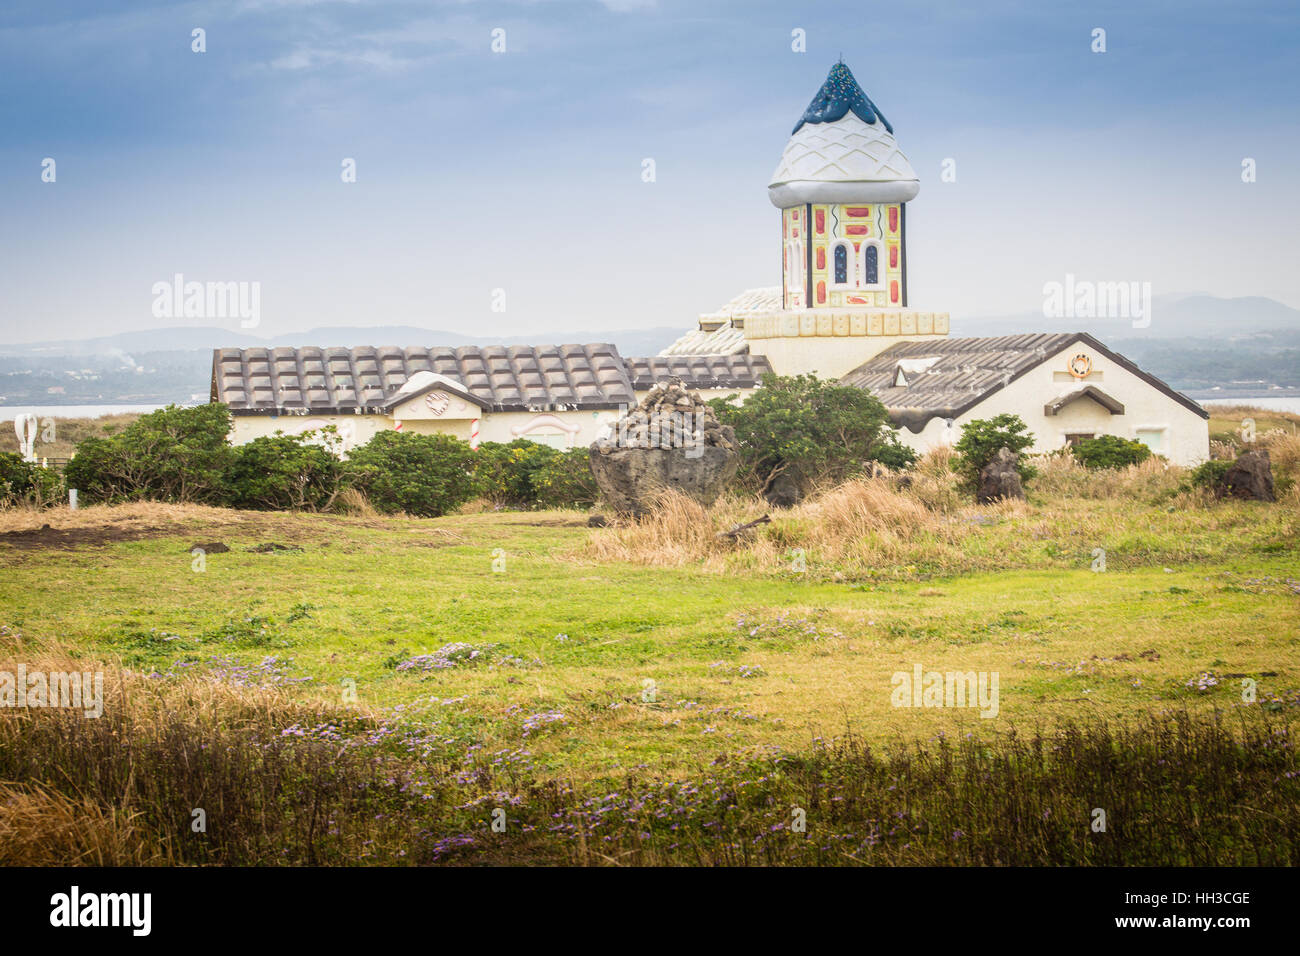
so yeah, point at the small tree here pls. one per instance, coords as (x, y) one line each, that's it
(507, 474)
(422, 475)
(982, 439)
(1110, 451)
(565, 481)
(808, 428)
(172, 454)
(283, 472)
(24, 482)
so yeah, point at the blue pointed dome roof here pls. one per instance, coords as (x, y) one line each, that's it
(839, 95)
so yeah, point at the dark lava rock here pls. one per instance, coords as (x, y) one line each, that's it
(671, 440)
(785, 491)
(1250, 477)
(999, 479)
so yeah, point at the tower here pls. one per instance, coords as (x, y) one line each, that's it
(842, 186)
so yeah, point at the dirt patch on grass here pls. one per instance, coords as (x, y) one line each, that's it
(103, 525)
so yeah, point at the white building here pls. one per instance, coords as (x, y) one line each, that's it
(842, 311)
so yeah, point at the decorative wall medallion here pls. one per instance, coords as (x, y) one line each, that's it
(1081, 365)
(437, 402)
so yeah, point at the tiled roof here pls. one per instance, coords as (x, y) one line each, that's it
(724, 341)
(965, 371)
(503, 378)
(764, 299)
(699, 371)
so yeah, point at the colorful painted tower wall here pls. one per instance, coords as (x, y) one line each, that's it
(842, 186)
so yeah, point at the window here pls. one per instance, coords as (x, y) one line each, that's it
(1153, 438)
(842, 276)
(795, 248)
(872, 278)
(1074, 438)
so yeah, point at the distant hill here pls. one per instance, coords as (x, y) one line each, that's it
(1194, 342)
(1172, 317)
(179, 339)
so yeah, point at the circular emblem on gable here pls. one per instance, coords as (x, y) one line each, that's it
(1081, 365)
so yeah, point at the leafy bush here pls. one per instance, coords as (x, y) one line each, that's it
(172, 454)
(523, 474)
(806, 427)
(1110, 451)
(892, 453)
(283, 472)
(423, 475)
(982, 439)
(1209, 474)
(26, 482)
(565, 481)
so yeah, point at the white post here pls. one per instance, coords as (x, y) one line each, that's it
(72, 498)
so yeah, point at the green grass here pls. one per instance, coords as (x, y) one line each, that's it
(1066, 642)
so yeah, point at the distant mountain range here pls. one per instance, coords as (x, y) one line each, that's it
(206, 338)
(1195, 342)
(1186, 316)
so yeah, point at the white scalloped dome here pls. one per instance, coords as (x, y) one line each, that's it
(835, 155)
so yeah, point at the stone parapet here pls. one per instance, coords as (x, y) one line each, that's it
(810, 323)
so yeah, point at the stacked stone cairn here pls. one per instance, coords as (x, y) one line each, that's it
(672, 439)
(670, 416)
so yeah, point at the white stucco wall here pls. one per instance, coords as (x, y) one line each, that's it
(450, 415)
(1186, 435)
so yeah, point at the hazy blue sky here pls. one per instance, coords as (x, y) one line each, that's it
(522, 170)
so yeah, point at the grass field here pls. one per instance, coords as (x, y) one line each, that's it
(525, 660)
(1214, 591)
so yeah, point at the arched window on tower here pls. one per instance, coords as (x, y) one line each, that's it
(873, 252)
(795, 256)
(842, 270)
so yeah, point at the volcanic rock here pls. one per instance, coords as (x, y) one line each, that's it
(999, 479)
(1250, 477)
(672, 439)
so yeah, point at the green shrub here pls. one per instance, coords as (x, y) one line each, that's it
(809, 428)
(982, 439)
(25, 482)
(891, 452)
(285, 472)
(565, 481)
(508, 474)
(1209, 474)
(1110, 451)
(172, 454)
(423, 475)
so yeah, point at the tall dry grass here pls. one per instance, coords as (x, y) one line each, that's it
(120, 790)
(1062, 476)
(862, 522)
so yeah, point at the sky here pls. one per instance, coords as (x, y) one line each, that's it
(502, 192)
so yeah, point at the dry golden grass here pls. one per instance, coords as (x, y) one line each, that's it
(67, 433)
(353, 501)
(43, 827)
(1063, 476)
(841, 524)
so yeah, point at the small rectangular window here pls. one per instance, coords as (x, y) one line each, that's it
(1153, 438)
(1076, 437)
